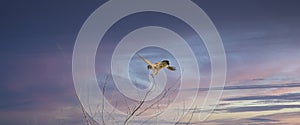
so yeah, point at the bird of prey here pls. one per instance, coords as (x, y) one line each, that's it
(158, 65)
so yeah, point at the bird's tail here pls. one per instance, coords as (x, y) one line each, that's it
(171, 68)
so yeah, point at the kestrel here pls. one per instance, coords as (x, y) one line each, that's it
(158, 65)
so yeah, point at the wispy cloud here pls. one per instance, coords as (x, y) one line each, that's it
(260, 108)
(243, 87)
(289, 96)
(263, 120)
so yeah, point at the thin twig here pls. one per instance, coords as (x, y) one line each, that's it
(103, 96)
(140, 103)
(192, 115)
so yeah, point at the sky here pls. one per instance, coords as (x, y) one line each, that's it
(261, 41)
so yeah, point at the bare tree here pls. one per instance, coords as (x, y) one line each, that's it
(139, 107)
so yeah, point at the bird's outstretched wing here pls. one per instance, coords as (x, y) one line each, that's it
(171, 68)
(145, 60)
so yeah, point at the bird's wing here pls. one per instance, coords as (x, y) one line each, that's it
(145, 60)
(171, 68)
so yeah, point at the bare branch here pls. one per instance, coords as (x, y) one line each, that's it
(103, 96)
(140, 103)
(192, 115)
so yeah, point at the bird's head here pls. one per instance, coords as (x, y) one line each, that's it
(166, 61)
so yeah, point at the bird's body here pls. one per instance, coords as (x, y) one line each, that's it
(158, 65)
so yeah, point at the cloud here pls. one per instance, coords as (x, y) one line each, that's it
(262, 120)
(284, 118)
(273, 119)
(289, 96)
(247, 121)
(244, 87)
(260, 108)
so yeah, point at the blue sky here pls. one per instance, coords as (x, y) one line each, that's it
(261, 40)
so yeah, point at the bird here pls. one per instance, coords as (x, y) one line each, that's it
(155, 67)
